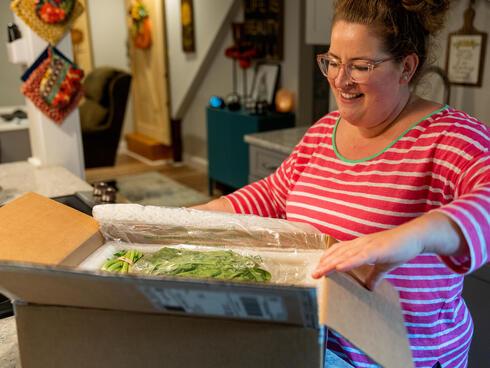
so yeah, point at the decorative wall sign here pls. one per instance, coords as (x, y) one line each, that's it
(466, 53)
(264, 27)
(187, 18)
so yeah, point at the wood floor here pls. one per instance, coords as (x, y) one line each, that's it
(126, 165)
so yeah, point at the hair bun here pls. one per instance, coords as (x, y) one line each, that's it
(431, 13)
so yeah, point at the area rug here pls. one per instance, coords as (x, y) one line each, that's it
(153, 188)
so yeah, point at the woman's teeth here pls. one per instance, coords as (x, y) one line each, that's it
(349, 95)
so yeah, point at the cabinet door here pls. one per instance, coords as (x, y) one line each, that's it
(318, 21)
(264, 162)
(227, 152)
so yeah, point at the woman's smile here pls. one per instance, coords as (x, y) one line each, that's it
(350, 96)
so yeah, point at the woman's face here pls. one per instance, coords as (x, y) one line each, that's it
(378, 100)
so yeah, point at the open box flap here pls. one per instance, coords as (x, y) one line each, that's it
(50, 285)
(370, 320)
(46, 232)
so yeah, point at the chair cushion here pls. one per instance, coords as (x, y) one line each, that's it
(92, 116)
(96, 83)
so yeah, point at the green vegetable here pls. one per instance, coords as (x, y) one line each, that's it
(121, 261)
(222, 264)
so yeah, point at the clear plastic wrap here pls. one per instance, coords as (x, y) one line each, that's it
(134, 223)
(289, 251)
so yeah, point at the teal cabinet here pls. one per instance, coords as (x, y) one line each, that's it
(228, 156)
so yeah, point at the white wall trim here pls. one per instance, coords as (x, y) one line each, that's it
(196, 162)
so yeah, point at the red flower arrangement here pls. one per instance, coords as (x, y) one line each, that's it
(243, 55)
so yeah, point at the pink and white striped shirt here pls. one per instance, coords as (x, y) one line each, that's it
(440, 163)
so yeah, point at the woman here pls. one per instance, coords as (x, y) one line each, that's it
(400, 181)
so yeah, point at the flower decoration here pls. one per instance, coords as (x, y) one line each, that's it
(53, 11)
(140, 25)
(243, 55)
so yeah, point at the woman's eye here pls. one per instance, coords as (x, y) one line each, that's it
(333, 63)
(360, 67)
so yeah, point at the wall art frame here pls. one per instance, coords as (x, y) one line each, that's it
(466, 48)
(265, 82)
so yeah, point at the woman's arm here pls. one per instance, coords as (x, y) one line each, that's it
(220, 204)
(434, 232)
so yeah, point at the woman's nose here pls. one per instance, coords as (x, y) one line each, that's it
(342, 79)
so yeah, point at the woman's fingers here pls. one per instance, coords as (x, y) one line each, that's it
(344, 257)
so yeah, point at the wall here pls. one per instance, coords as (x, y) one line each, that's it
(217, 76)
(185, 66)
(109, 33)
(9, 73)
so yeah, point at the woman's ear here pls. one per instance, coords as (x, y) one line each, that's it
(409, 66)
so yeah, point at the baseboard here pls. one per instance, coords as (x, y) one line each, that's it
(196, 162)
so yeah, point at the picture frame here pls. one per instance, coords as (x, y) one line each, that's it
(465, 58)
(264, 86)
(264, 27)
(187, 23)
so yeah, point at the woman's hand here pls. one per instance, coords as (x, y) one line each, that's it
(431, 233)
(386, 250)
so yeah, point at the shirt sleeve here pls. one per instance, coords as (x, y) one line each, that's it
(471, 212)
(266, 197)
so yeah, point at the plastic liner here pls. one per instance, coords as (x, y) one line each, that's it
(286, 266)
(288, 250)
(134, 223)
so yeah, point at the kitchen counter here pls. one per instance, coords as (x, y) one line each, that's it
(18, 178)
(9, 350)
(267, 150)
(283, 140)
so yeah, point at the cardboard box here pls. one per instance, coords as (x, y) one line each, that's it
(67, 317)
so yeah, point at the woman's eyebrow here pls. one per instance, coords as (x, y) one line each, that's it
(353, 59)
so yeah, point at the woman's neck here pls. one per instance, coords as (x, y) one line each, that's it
(402, 109)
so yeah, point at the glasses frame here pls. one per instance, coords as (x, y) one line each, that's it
(372, 64)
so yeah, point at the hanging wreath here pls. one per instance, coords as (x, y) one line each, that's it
(140, 25)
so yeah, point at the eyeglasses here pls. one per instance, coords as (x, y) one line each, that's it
(359, 71)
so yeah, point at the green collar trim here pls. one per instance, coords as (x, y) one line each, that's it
(383, 150)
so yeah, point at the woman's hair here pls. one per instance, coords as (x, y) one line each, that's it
(405, 26)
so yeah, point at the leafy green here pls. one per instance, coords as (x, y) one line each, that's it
(221, 264)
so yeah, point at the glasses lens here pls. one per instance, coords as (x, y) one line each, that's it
(330, 67)
(359, 71)
(323, 64)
